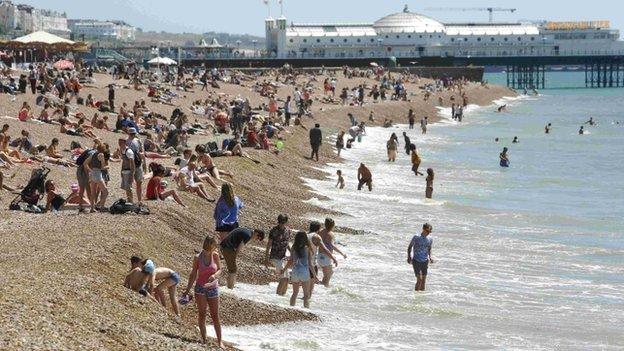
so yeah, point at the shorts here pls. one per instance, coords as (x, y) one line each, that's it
(126, 180)
(208, 293)
(96, 175)
(175, 276)
(300, 274)
(323, 260)
(82, 177)
(420, 268)
(227, 227)
(230, 259)
(279, 266)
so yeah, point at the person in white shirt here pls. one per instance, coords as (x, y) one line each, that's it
(186, 179)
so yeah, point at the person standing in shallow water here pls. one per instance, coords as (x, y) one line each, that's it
(392, 145)
(365, 177)
(415, 160)
(410, 119)
(419, 255)
(504, 159)
(429, 180)
(407, 142)
(301, 260)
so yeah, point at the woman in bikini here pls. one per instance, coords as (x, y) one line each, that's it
(205, 275)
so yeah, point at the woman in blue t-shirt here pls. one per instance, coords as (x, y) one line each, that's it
(226, 211)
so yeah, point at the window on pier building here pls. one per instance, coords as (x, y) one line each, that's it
(359, 40)
(506, 39)
(344, 40)
(492, 39)
(318, 40)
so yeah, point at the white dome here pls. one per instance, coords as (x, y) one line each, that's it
(408, 22)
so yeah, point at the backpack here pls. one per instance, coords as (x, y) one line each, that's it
(137, 155)
(84, 156)
(122, 207)
(211, 146)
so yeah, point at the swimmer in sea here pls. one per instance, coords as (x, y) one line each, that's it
(365, 177)
(502, 108)
(515, 140)
(504, 160)
(429, 180)
(591, 121)
(341, 182)
(581, 131)
(496, 140)
(547, 128)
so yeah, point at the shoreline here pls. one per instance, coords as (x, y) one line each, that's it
(86, 267)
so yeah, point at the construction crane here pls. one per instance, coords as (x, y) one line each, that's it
(491, 10)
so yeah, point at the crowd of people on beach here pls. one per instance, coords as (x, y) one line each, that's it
(147, 142)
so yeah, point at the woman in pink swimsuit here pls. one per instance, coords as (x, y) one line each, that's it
(205, 276)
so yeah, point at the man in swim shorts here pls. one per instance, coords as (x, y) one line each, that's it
(419, 255)
(364, 177)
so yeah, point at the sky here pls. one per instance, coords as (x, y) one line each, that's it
(247, 16)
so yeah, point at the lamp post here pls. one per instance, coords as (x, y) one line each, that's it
(380, 42)
(255, 42)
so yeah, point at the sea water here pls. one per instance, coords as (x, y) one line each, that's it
(529, 257)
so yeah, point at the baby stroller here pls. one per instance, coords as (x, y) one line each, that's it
(32, 192)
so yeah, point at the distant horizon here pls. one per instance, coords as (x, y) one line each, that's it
(192, 18)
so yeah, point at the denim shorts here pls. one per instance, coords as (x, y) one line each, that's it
(279, 265)
(208, 293)
(96, 175)
(300, 274)
(323, 260)
(175, 276)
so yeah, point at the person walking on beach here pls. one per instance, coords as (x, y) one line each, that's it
(415, 160)
(504, 159)
(392, 145)
(419, 255)
(275, 253)
(407, 142)
(226, 211)
(364, 177)
(316, 138)
(302, 277)
(323, 260)
(423, 125)
(429, 185)
(410, 119)
(232, 246)
(205, 275)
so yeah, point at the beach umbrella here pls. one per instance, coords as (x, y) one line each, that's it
(63, 65)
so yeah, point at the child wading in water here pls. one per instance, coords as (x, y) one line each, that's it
(301, 261)
(341, 182)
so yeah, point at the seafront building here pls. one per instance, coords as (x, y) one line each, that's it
(102, 30)
(409, 34)
(17, 20)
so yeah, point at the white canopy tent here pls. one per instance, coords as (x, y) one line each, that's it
(162, 61)
(42, 37)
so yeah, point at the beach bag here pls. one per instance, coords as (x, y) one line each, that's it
(121, 207)
(211, 146)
